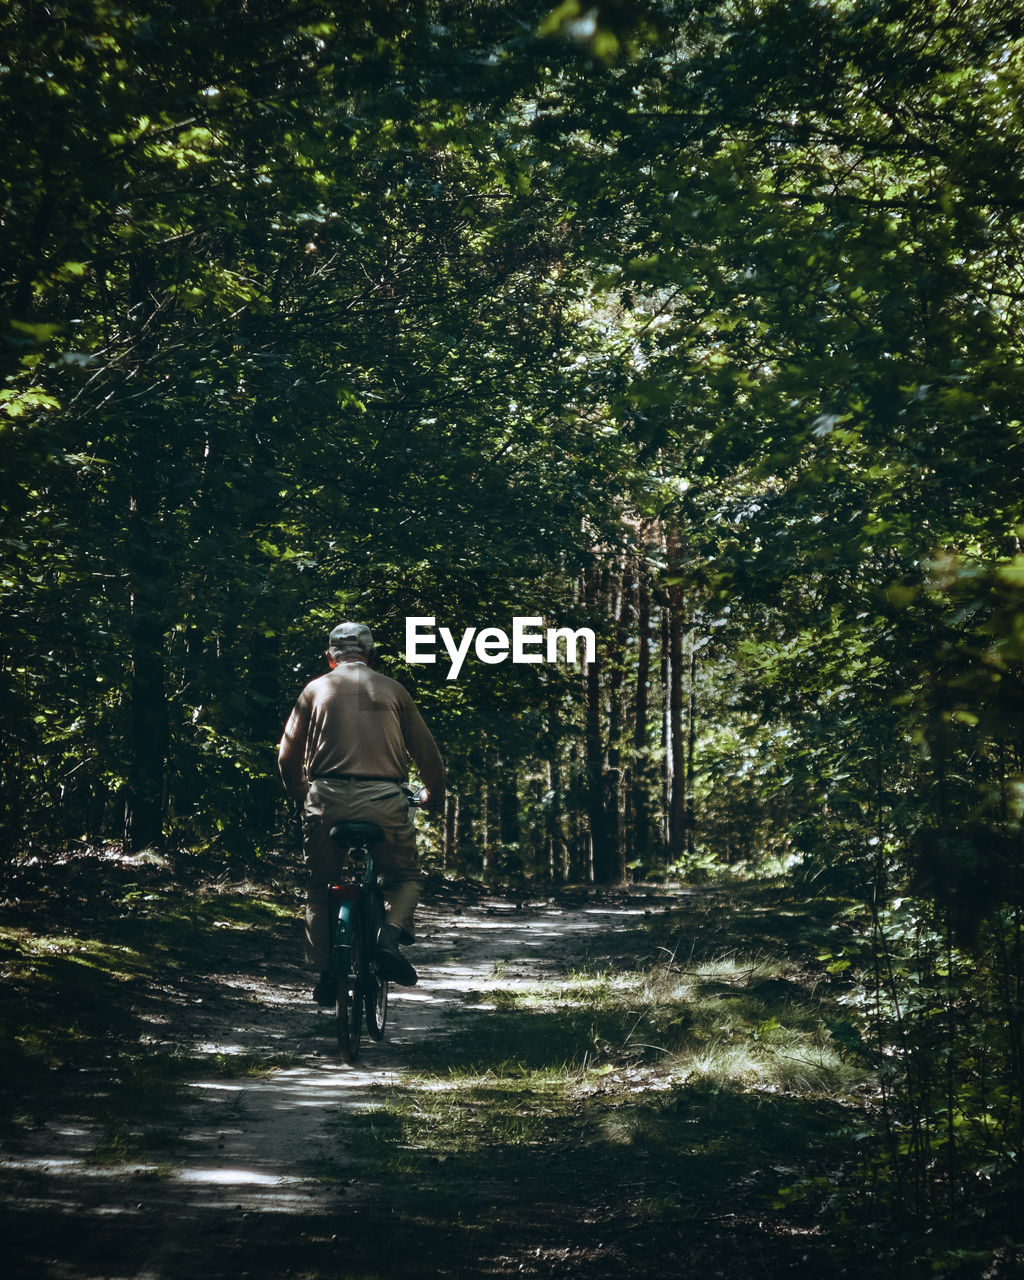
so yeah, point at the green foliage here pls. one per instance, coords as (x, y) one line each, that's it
(312, 359)
(695, 324)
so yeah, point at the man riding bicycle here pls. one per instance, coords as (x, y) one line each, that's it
(344, 757)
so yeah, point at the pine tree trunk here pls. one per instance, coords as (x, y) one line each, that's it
(148, 722)
(666, 728)
(469, 851)
(602, 846)
(640, 799)
(510, 826)
(262, 677)
(613, 773)
(677, 777)
(486, 819)
(449, 849)
(558, 853)
(690, 815)
(147, 738)
(579, 829)
(148, 725)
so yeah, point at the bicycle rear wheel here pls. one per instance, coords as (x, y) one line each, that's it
(376, 1002)
(349, 1012)
(376, 985)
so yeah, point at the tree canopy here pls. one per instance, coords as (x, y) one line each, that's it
(693, 324)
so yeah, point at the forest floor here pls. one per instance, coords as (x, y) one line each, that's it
(582, 1084)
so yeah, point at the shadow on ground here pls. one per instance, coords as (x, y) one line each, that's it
(214, 1133)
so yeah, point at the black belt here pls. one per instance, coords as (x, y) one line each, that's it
(358, 777)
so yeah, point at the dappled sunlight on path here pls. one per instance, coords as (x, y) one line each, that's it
(271, 1127)
(244, 1148)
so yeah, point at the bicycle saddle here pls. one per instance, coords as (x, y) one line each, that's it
(357, 833)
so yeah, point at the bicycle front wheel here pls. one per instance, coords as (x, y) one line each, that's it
(349, 1012)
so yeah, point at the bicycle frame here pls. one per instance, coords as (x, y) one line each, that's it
(361, 991)
(357, 910)
(344, 894)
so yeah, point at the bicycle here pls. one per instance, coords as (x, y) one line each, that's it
(357, 912)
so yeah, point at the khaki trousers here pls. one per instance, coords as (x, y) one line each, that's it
(332, 800)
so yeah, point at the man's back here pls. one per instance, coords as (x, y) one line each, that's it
(344, 752)
(360, 722)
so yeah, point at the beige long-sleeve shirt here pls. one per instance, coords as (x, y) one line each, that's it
(357, 721)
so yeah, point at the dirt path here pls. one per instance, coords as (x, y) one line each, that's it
(246, 1176)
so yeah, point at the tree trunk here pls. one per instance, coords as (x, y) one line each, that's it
(148, 721)
(690, 816)
(677, 776)
(602, 846)
(558, 853)
(666, 727)
(450, 848)
(147, 738)
(579, 856)
(640, 799)
(509, 824)
(469, 828)
(613, 773)
(262, 680)
(489, 835)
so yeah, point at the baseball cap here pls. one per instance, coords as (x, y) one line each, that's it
(348, 636)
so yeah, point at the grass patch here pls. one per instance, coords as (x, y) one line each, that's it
(681, 1092)
(43, 960)
(729, 1022)
(122, 1144)
(252, 1066)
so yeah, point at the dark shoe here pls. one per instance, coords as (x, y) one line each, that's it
(324, 992)
(393, 967)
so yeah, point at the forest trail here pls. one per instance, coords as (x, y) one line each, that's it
(253, 1175)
